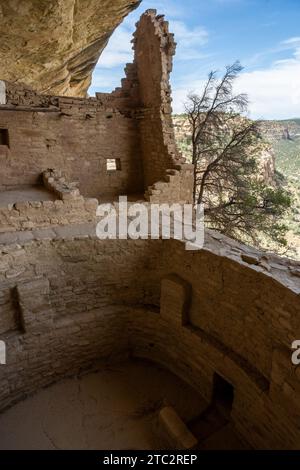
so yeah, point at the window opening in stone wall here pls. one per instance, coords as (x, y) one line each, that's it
(4, 140)
(113, 164)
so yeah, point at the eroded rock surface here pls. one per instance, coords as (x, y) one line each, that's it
(54, 45)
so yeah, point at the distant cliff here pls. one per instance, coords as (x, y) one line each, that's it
(280, 130)
(266, 158)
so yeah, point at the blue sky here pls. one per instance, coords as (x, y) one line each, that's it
(210, 34)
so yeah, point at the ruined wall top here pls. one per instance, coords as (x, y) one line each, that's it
(154, 43)
(154, 48)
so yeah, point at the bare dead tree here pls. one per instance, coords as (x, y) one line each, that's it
(225, 147)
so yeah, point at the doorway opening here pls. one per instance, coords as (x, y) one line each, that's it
(223, 394)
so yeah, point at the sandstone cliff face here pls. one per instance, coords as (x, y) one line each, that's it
(275, 131)
(53, 45)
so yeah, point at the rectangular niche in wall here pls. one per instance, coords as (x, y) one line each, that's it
(4, 137)
(223, 394)
(113, 164)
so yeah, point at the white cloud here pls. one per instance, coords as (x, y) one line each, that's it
(292, 41)
(179, 93)
(274, 91)
(170, 8)
(119, 49)
(190, 41)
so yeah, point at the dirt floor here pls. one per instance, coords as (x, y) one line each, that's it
(114, 408)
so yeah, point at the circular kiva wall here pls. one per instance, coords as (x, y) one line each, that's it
(220, 313)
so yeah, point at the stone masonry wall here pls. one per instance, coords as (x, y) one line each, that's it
(69, 207)
(132, 126)
(70, 300)
(20, 95)
(225, 313)
(154, 48)
(30, 215)
(62, 306)
(197, 313)
(77, 137)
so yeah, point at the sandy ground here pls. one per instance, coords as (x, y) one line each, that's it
(115, 408)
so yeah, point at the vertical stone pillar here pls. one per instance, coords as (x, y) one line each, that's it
(35, 309)
(176, 294)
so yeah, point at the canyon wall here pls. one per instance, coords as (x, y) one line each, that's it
(54, 45)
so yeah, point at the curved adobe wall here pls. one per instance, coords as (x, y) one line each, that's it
(220, 314)
(63, 307)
